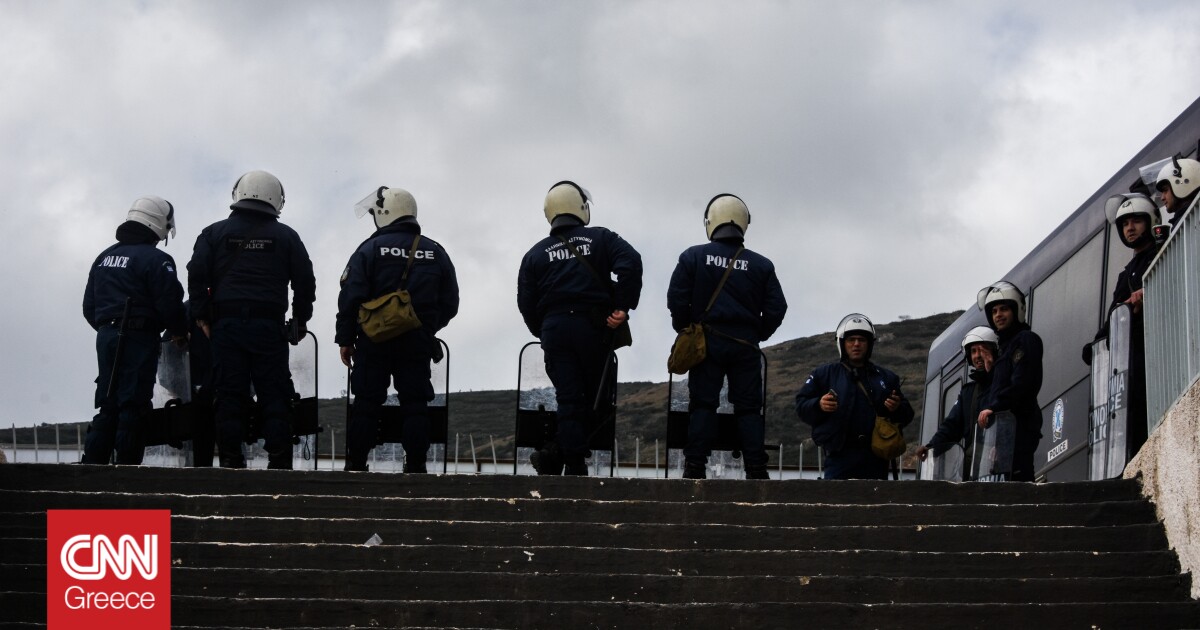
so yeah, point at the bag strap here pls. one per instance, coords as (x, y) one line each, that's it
(721, 284)
(865, 393)
(590, 268)
(869, 401)
(411, 252)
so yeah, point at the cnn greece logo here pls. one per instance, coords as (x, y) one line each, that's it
(122, 557)
(108, 569)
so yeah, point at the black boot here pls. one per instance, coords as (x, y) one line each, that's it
(576, 468)
(694, 470)
(280, 461)
(757, 472)
(233, 461)
(547, 460)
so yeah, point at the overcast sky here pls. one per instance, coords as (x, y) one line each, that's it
(895, 156)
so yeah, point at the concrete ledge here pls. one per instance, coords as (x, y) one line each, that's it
(1169, 465)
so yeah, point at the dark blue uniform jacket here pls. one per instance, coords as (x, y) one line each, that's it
(1016, 381)
(376, 267)
(551, 281)
(855, 415)
(142, 272)
(960, 423)
(257, 277)
(750, 306)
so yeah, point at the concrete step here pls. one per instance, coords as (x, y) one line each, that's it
(209, 612)
(317, 584)
(1143, 537)
(258, 549)
(1108, 513)
(601, 560)
(138, 479)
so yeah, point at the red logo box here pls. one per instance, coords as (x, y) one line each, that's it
(108, 569)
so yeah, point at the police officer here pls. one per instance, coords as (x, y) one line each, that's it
(1178, 182)
(1017, 375)
(1135, 217)
(981, 346)
(238, 283)
(748, 309)
(841, 400)
(377, 268)
(569, 304)
(132, 295)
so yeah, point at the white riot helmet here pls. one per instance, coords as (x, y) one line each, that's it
(981, 334)
(568, 198)
(1003, 291)
(387, 205)
(155, 213)
(855, 324)
(258, 190)
(1182, 175)
(726, 209)
(1125, 205)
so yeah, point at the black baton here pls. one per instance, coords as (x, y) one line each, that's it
(112, 378)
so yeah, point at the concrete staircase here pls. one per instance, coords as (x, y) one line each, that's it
(275, 549)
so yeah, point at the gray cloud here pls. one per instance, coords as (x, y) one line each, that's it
(895, 156)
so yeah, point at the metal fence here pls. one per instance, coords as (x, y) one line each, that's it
(1172, 319)
(464, 455)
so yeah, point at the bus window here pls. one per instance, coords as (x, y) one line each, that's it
(1066, 313)
(931, 416)
(949, 397)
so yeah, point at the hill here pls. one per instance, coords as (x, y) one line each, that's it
(903, 347)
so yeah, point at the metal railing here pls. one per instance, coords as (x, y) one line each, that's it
(462, 456)
(1172, 318)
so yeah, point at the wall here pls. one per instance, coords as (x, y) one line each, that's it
(1170, 467)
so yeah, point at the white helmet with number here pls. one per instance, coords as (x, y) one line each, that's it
(1124, 205)
(726, 209)
(387, 205)
(1003, 291)
(258, 190)
(568, 198)
(981, 334)
(855, 324)
(1182, 175)
(155, 213)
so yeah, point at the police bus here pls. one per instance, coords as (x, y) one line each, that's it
(1068, 281)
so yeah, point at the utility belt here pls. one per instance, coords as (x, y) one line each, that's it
(239, 309)
(132, 323)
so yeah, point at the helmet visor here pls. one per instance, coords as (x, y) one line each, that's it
(369, 203)
(170, 220)
(1149, 173)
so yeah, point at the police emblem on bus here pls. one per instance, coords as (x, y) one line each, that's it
(1057, 419)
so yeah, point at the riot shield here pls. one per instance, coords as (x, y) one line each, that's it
(1110, 379)
(725, 457)
(537, 418)
(170, 422)
(973, 454)
(948, 465)
(999, 442)
(305, 420)
(388, 454)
